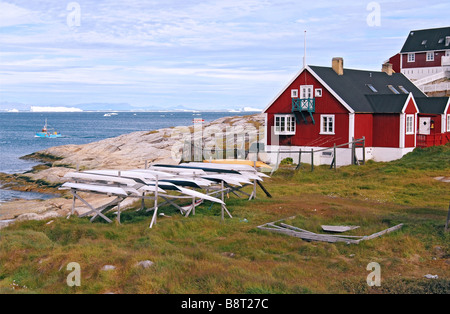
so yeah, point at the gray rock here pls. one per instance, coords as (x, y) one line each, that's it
(145, 264)
(108, 267)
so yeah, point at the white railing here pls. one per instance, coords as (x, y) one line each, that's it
(431, 78)
(435, 87)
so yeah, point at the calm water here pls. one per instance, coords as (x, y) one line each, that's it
(17, 132)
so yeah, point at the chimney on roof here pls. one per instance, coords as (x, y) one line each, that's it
(338, 65)
(387, 68)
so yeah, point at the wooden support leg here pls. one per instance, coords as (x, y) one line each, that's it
(99, 213)
(156, 205)
(73, 205)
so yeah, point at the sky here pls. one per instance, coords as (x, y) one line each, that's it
(203, 55)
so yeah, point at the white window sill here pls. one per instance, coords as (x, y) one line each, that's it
(321, 133)
(284, 133)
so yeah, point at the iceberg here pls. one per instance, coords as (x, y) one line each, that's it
(54, 109)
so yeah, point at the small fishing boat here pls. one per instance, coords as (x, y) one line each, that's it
(47, 133)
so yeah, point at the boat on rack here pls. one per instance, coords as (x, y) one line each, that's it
(46, 133)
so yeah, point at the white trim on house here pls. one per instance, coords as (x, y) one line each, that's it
(448, 123)
(328, 88)
(351, 126)
(322, 82)
(402, 131)
(410, 96)
(411, 57)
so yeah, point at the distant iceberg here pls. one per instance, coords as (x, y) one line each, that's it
(12, 110)
(54, 109)
(245, 109)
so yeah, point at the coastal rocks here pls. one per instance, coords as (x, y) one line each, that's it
(127, 151)
(34, 216)
(135, 149)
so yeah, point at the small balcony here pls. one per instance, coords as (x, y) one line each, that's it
(304, 105)
(307, 104)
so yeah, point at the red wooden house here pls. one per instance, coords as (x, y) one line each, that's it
(322, 107)
(425, 52)
(434, 121)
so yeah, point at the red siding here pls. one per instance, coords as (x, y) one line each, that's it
(421, 60)
(363, 127)
(308, 134)
(386, 130)
(395, 61)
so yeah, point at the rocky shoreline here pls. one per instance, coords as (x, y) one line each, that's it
(127, 151)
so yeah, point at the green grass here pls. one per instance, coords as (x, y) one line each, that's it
(201, 254)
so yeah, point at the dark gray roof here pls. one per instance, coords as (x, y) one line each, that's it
(426, 39)
(387, 103)
(353, 88)
(432, 105)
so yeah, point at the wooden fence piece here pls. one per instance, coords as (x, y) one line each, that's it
(311, 236)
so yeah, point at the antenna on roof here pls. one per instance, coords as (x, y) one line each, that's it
(304, 55)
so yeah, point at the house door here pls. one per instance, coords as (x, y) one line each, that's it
(424, 126)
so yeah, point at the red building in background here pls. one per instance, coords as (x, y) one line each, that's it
(426, 52)
(322, 107)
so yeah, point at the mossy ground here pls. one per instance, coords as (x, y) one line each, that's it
(201, 254)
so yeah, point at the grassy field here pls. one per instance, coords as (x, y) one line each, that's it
(200, 254)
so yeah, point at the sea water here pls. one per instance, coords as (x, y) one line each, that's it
(17, 133)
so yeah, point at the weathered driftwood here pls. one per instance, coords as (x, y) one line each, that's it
(311, 236)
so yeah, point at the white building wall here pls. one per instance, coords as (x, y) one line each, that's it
(419, 73)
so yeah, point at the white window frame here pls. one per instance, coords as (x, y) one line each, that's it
(448, 123)
(447, 53)
(305, 89)
(294, 93)
(411, 57)
(288, 127)
(409, 124)
(430, 56)
(326, 119)
(318, 92)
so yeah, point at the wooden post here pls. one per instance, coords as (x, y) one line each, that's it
(146, 164)
(223, 200)
(193, 206)
(364, 150)
(312, 159)
(118, 213)
(299, 159)
(448, 220)
(143, 201)
(335, 157)
(353, 151)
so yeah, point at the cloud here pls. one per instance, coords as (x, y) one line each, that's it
(168, 50)
(12, 15)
